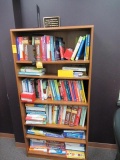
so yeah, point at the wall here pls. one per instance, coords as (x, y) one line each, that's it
(9, 106)
(106, 76)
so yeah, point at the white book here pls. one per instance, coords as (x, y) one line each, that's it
(76, 48)
(35, 108)
(50, 114)
(47, 113)
(31, 86)
(25, 85)
(34, 122)
(64, 114)
(81, 69)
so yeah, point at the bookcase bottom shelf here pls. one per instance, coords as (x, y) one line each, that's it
(48, 155)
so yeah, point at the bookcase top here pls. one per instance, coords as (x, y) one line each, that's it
(52, 28)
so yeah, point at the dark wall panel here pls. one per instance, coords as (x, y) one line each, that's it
(7, 21)
(5, 116)
(106, 76)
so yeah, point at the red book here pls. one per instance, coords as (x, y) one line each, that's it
(38, 48)
(75, 89)
(48, 48)
(64, 91)
(73, 115)
(43, 48)
(77, 119)
(68, 53)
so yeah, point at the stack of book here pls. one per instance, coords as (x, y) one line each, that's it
(38, 145)
(36, 114)
(74, 150)
(32, 71)
(55, 114)
(71, 150)
(78, 71)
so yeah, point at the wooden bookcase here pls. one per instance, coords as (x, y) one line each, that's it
(69, 33)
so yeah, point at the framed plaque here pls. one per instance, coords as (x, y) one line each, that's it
(51, 21)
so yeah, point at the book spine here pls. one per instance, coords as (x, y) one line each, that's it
(18, 49)
(52, 48)
(68, 114)
(48, 48)
(57, 90)
(50, 114)
(77, 119)
(87, 47)
(73, 115)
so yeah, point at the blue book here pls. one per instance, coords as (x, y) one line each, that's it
(56, 135)
(53, 89)
(73, 91)
(87, 47)
(35, 112)
(80, 48)
(18, 49)
(52, 48)
(77, 135)
(68, 88)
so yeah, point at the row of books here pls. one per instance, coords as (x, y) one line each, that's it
(77, 134)
(55, 114)
(50, 48)
(40, 48)
(82, 48)
(71, 150)
(67, 90)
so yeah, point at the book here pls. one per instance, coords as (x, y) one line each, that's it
(35, 131)
(73, 115)
(32, 69)
(31, 73)
(68, 53)
(87, 47)
(76, 48)
(75, 154)
(83, 116)
(74, 134)
(75, 146)
(68, 114)
(80, 68)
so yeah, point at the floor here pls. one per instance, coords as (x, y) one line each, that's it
(8, 151)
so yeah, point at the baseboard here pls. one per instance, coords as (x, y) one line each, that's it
(7, 135)
(102, 145)
(20, 145)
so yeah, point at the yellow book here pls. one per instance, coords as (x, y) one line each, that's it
(82, 91)
(75, 154)
(65, 73)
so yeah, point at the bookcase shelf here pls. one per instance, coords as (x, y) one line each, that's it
(48, 155)
(55, 77)
(56, 126)
(71, 140)
(57, 62)
(69, 34)
(61, 102)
